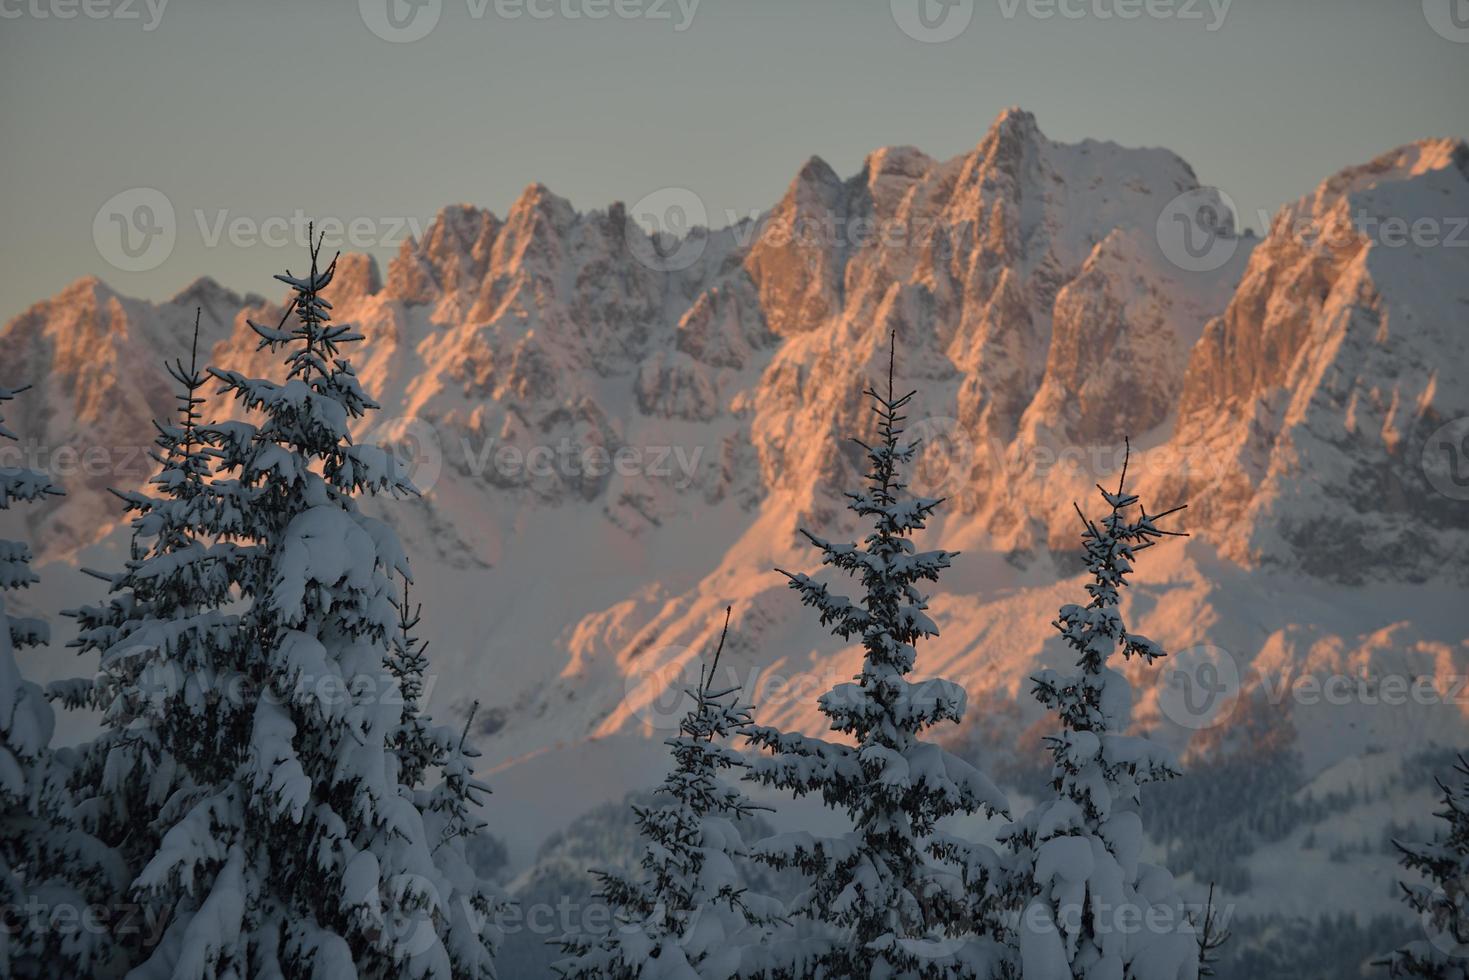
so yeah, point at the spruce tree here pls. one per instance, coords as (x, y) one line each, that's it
(690, 916)
(169, 661)
(56, 881)
(1441, 899)
(891, 897)
(472, 908)
(246, 656)
(471, 927)
(335, 858)
(413, 739)
(1090, 908)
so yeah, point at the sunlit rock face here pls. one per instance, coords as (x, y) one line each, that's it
(1323, 389)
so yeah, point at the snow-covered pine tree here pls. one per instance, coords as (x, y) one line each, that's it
(1442, 898)
(690, 915)
(473, 908)
(52, 873)
(472, 931)
(168, 657)
(407, 663)
(888, 898)
(1090, 908)
(303, 854)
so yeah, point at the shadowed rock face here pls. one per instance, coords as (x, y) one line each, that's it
(1288, 395)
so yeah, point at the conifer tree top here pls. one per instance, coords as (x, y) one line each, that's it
(1441, 899)
(1095, 631)
(1076, 866)
(890, 617)
(893, 896)
(690, 913)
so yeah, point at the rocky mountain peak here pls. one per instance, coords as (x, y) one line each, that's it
(357, 277)
(889, 174)
(799, 254)
(217, 302)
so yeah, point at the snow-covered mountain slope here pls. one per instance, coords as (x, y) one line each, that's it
(614, 445)
(1325, 385)
(96, 360)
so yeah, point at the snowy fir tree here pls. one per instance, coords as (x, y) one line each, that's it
(893, 897)
(689, 916)
(472, 907)
(1089, 908)
(52, 873)
(1441, 897)
(287, 844)
(407, 662)
(168, 653)
(471, 928)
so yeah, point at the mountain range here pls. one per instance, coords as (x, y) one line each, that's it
(618, 432)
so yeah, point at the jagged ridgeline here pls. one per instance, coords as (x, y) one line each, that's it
(1038, 260)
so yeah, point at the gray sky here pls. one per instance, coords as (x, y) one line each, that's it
(243, 116)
